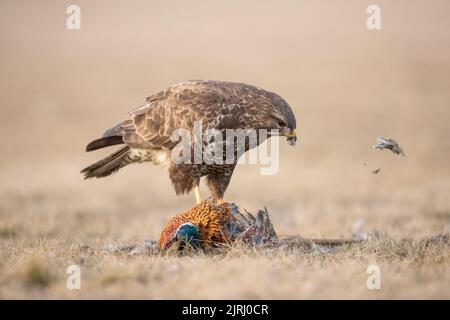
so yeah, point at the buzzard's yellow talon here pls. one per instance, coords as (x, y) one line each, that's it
(198, 197)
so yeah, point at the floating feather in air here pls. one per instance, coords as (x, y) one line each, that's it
(390, 144)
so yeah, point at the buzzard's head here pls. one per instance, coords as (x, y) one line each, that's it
(279, 116)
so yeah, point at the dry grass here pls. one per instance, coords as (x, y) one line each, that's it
(34, 259)
(59, 89)
(409, 270)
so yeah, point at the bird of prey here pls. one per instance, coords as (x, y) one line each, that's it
(147, 133)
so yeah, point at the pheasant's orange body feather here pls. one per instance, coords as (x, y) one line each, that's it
(210, 218)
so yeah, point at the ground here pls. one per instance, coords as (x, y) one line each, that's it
(347, 85)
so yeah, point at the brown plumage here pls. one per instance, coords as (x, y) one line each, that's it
(217, 105)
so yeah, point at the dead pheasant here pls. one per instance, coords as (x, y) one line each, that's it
(209, 224)
(202, 226)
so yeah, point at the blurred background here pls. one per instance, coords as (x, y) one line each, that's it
(61, 88)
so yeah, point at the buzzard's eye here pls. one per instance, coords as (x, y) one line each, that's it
(281, 123)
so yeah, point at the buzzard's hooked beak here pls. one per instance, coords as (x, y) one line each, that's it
(291, 136)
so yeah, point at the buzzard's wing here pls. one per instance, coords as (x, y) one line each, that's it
(150, 125)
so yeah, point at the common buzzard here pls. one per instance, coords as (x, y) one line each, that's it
(148, 131)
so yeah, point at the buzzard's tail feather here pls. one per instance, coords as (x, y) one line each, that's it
(108, 165)
(104, 142)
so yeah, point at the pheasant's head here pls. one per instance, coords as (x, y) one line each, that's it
(188, 233)
(199, 227)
